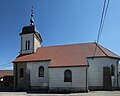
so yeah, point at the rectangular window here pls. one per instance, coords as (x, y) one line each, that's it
(21, 73)
(27, 45)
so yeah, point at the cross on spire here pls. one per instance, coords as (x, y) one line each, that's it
(32, 20)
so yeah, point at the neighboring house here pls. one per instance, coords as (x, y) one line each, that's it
(6, 80)
(70, 68)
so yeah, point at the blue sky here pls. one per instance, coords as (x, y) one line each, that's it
(59, 22)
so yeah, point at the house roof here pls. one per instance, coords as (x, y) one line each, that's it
(6, 73)
(67, 55)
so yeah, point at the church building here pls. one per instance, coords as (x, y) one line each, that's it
(65, 68)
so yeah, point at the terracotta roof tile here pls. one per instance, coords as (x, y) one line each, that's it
(67, 55)
(6, 73)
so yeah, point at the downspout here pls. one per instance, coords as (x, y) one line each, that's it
(87, 76)
(117, 74)
(86, 80)
(15, 76)
(14, 73)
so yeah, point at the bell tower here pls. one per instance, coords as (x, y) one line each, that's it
(30, 37)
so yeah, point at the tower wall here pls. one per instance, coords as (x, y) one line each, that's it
(24, 39)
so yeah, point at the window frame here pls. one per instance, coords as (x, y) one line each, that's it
(41, 68)
(21, 73)
(68, 75)
(112, 70)
(27, 44)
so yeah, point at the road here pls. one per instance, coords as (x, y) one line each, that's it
(92, 93)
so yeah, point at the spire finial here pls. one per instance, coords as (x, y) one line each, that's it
(32, 20)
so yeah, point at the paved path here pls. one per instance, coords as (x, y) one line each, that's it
(93, 93)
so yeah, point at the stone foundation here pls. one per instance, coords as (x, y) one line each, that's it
(39, 88)
(67, 90)
(95, 88)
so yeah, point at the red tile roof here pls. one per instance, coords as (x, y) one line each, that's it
(67, 55)
(6, 73)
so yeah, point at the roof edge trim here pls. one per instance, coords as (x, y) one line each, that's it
(68, 66)
(31, 61)
(103, 56)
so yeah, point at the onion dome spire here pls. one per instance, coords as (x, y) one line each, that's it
(32, 20)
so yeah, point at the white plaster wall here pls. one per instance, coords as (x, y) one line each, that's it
(56, 76)
(35, 80)
(36, 44)
(95, 70)
(24, 38)
(21, 82)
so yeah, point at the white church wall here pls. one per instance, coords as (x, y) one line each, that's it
(35, 80)
(57, 83)
(25, 38)
(95, 70)
(36, 44)
(21, 82)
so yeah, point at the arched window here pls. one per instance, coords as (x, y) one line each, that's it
(67, 76)
(21, 72)
(112, 70)
(41, 71)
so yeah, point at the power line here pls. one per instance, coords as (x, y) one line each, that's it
(104, 12)
(103, 20)
(5, 65)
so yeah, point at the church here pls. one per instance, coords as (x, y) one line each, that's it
(65, 68)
